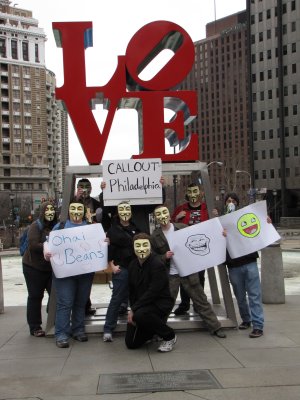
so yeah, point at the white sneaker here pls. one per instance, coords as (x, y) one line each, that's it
(167, 345)
(107, 337)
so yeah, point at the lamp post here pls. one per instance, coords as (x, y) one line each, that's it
(12, 197)
(219, 163)
(238, 171)
(175, 181)
(222, 191)
(274, 192)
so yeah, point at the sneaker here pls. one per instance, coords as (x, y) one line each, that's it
(107, 337)
(62, 344)
(220, 333)
(181, 311)
(244, 325)
(167, 345)
(256, 333)
(82, 337)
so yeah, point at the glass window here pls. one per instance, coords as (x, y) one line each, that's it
(25, 51)
(2, 47)
(14, 49)
(36, 52)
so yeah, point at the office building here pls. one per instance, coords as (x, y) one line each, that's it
(34, 129)
(275, 90)
(220, 77)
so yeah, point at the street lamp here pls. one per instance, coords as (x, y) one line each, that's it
(222, 191)
(12, 197)
(238, 171)
(274, 191)
(219, 163)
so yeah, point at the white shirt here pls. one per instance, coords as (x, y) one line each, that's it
(168, 235)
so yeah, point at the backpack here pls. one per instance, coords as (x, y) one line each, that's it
(24, 237)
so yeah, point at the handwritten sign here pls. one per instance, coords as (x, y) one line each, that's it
(78, 250)
(136, 181)
(198, 247)
(248, 230)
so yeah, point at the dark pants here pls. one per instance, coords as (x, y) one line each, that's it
(149, 321)
(37, 282)
(185, 298)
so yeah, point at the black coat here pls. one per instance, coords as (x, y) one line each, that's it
(120, 248)
(149, 284)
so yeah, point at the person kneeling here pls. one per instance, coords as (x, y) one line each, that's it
(149, 297)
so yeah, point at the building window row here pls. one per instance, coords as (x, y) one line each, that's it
(268, 12)
(270, 133)
(270, 174)
(268, 74)
(14, 49)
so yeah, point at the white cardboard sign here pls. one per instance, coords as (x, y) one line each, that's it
(77, 250)
(134, 180)
(248, 230)
(198, 247)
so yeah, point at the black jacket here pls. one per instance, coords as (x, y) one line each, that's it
(149, 284)
(238, 262)
(120, 248)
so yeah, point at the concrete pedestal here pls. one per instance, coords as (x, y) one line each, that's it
(272, 279)
(1, 290)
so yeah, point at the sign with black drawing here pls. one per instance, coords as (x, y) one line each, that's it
(198, 247)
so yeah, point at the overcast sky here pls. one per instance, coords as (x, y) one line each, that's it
(114, 23)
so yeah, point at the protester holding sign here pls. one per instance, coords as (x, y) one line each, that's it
(142, 199)
(244, 278)
(37, 271)
(161, 239)
(94, 213)
(72, 292)
(192, 212)
(150, 298)
(120, 254)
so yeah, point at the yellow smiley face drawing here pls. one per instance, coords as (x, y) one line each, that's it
(248, 225)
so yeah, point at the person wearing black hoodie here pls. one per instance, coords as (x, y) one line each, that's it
(120, 254)
(37, 271)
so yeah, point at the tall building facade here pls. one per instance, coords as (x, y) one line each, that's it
(34, 129)
(274, 36)
(220, 77)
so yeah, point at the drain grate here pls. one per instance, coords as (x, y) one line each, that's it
(157, 382)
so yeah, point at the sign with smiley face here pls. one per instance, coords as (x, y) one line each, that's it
(248, 230)
(249, 225)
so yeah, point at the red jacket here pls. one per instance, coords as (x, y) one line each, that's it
(194, 218)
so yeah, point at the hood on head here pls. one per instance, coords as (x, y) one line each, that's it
(42, 213)
(234, 196)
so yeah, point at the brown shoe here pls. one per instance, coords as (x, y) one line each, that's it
(256, 333)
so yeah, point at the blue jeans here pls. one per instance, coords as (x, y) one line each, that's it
(119, 292)
(245, 280)
(72, 293)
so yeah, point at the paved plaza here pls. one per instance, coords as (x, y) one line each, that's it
(238, 368)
